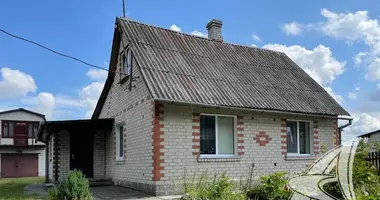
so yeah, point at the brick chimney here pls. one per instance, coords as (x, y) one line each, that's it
(214, 28)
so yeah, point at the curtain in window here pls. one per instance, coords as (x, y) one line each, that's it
(5, 129)
(225, 135)
(121, 141)
(30, 130)
(10, 133)
(304, 131)
(207, 134)
(291, 132)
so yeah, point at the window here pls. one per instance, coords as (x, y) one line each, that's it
(217, 135)
(298, 137)
(120, 144)
(32, 129)
(127, 62)
(7, 129)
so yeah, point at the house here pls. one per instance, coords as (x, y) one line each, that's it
(176, 105)
(372, 137)
(20, 152)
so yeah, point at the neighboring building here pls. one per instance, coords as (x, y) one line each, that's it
(21, 154)
(177, 105)
(372, 137)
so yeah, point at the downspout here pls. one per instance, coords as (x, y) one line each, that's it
(340, 129)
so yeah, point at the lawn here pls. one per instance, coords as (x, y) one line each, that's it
(13, 188)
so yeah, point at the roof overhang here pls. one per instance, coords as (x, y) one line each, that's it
(369, 134)
(90, 125)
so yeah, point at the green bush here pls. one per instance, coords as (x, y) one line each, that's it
(271, 187)
(212, 188)
(72, 187)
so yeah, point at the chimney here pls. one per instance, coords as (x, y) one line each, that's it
(214, 28)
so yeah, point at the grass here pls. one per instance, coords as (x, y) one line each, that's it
(13, 188)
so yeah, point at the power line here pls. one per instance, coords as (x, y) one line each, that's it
(56, 52)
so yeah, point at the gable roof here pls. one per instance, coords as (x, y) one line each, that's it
(22, 110)
(369, 134)
(186, 68)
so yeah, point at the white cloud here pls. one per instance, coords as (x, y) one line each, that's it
(199, 34)
(89, 96)
(15, 83)
(253, 45)
(352, 95)
(256, 38)
(362, 123)
(46, 104)
(292, 28)
(319, 62)
(174, 27)
(97, 74)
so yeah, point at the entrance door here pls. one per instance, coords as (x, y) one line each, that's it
(81, 152)
(19, 165)
(20, 137)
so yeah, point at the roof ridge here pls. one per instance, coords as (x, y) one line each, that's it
(195, 36)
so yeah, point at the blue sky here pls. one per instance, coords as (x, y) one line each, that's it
(323, 37)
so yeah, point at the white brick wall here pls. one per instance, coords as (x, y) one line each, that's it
(64, 153)
(178, 147)
(99, 155)
(133, 108)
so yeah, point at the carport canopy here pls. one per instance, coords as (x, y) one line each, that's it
(91, 125)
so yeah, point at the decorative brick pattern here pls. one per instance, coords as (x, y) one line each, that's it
(196, 134)
(315, 138)
(157, 141)
(283, 137)
(240, 135)
(262, 138)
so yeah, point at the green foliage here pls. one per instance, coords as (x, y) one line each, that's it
(365, 178)
(271, 187)
(72, 187)
(212, 188)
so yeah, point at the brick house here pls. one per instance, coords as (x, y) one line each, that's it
(21, 155)
(176, 104)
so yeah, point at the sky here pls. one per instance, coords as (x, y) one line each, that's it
(335, 42)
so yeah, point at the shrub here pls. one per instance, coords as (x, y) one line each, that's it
(271, 187)
(72, 187)
(212, 188)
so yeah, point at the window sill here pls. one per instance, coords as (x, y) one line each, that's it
(119, 162)
(208, 158)
(301, 157)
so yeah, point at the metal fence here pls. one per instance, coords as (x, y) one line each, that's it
(374, 159)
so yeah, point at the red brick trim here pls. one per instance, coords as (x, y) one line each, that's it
(240, 135)
(158, 112)
(262, 138)
(283, 136)
(316, 138)
(196, 134)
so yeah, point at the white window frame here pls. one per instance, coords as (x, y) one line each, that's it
(298, 137)
(124, 62)
(118, 141)
(216, 137)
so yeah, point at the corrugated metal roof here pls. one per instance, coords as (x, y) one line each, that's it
(187, 68)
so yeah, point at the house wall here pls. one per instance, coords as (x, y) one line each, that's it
(374, 138)
(177, 133)
(133, 109)
(61, 143)
(23, 116)
(19, 116)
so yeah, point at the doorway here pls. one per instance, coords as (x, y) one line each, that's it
(82, 152)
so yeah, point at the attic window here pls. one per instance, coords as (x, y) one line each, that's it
(127, 64)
